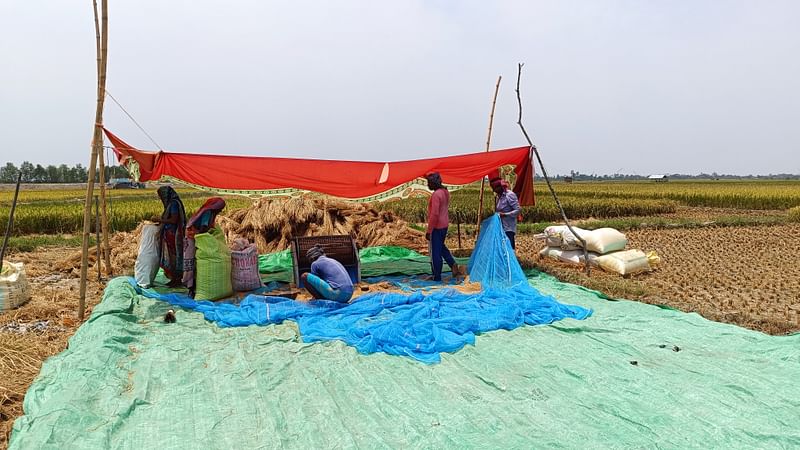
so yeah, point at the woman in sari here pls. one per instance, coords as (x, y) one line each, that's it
(173, 227)
(205, 217)
(202, 221)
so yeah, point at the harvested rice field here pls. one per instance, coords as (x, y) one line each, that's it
(746, 276)
(725, 270)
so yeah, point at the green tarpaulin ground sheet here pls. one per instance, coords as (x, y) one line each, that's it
(375, 261)
(130, 381)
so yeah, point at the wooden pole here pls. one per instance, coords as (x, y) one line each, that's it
(10, 221)
(488, 143)
(104, 214)
(535, 151)
(101, 36)
(458, 228)
(97, 234)
(102, 163)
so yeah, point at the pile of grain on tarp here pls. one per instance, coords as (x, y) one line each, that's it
(272, 224)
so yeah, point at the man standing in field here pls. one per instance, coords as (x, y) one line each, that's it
(507, 207)
(438, 221)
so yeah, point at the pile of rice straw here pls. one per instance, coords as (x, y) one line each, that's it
(272, 224)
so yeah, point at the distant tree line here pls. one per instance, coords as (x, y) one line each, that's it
(577, 176)
(54, 174)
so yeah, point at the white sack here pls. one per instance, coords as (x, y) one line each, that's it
(560, 236)
(146, 267)
(624, 263)
(14, 288)
(567, 256)
(604, 240)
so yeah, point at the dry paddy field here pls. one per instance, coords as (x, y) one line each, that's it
(747, 276)
(729, 250)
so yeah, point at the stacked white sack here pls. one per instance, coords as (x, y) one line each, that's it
(604, 247)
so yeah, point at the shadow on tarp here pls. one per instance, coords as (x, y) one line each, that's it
(420, 324)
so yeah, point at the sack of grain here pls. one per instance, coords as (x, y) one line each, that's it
(624, 263)
(244, 270)
(567, 256)
(189, 262)
(560, 236)
(212, 266)
(604, 240)
(146, 266)
(14, 288)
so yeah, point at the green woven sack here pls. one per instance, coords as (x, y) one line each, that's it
(213, 266)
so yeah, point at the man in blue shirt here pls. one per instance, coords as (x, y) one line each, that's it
(507, 207)
(328, 278)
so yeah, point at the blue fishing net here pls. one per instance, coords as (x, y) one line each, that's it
(417, 324)
(493, 262)
(421, 322)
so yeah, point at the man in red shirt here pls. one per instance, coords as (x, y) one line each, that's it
(438, 222)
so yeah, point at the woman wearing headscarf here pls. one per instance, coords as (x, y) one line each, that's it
(438, 221)
(205, 217)
(507, 207)
(173, 227)
(202, 221)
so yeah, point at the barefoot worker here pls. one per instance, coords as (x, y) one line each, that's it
(173, 227)
(438, 221)
(328, 278)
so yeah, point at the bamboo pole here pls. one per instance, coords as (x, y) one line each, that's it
(101, 156)
(10, 223)
(458, 228)
(104, 213)
(488, 143)
(102, 165)
(101, 36)
(97, 234)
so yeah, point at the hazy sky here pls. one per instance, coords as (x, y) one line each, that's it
(608, 86)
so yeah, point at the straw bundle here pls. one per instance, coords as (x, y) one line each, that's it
(272, 224)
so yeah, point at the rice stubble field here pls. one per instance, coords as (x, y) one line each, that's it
(728, 252)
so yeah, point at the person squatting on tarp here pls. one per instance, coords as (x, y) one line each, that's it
(202, 221)
(173, 227)
(328, 278)
(438, 221)
(507, 207)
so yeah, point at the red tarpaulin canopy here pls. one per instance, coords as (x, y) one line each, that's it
(346, 179)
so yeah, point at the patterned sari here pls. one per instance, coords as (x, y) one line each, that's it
(202, 221)
(172, 234)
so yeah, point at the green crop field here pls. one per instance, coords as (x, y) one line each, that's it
(717, 194)
(61, 211)
(620, 199)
